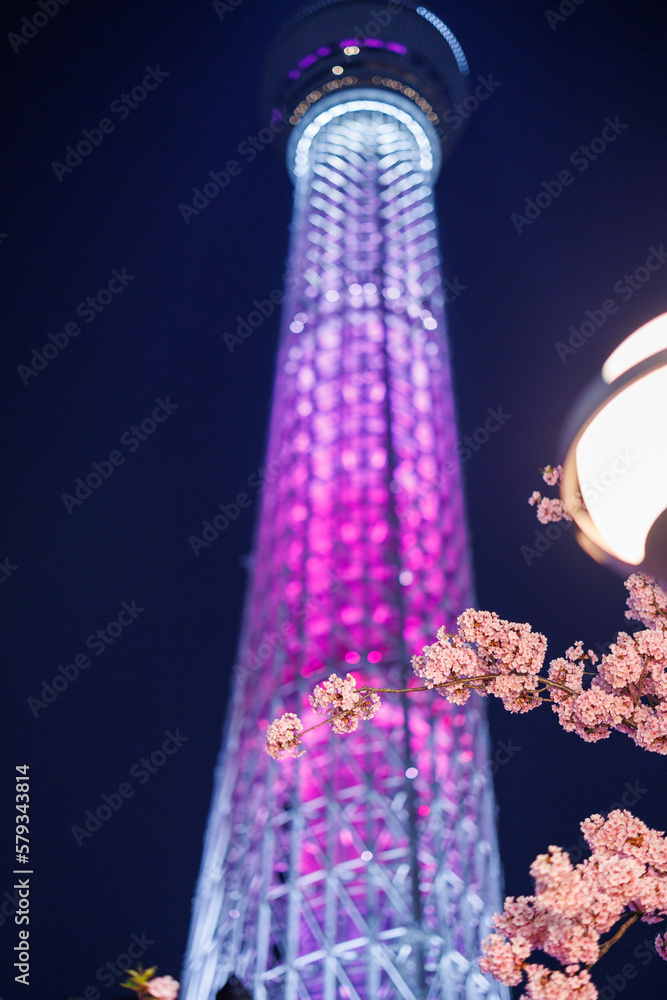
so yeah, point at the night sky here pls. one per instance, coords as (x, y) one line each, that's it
(150, 349)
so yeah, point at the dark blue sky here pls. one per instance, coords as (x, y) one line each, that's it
(149, 352)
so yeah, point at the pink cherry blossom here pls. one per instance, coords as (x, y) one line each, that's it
(546, 984)
(503, 644)
(504, 960)
(651, 731)
(596, 711)
(283, 736)
(625, 691)
(552, 476)
(549, 508)
(163, 988)
(489, 655)
(445, 662)
(623, 664)
(647, 602)
(575, 906)
(336, 694)
(552, 508)
(343, 704)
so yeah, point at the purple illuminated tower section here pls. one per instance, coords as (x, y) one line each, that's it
(367, 868)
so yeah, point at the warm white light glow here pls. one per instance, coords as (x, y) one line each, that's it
(644, 342)
(337, 70)
(621, 465)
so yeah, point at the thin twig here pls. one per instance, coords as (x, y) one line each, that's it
(619, 933)
(637, 696)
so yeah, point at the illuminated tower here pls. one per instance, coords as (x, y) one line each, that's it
(367, 868)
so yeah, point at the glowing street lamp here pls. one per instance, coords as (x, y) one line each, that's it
(616, 457)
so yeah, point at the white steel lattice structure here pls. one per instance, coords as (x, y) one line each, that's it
(367, 868)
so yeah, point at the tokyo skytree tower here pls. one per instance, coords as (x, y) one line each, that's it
(367, 868)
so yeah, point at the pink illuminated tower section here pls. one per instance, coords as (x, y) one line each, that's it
(367, 868)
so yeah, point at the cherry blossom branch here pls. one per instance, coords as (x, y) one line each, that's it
(637, 695)
(425, 687)
(626, 690)
(619, 934)
(575, 905)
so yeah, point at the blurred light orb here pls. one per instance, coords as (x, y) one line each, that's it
(615, 445)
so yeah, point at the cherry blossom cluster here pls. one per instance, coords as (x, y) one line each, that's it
(574, 906)
(551, 508)
(147, 986)
(284, 736)
(343, 705)
(488, 655)
(626, 691)
(338, 699)
(647, 602)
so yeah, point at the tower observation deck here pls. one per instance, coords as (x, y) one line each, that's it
(367, 868)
